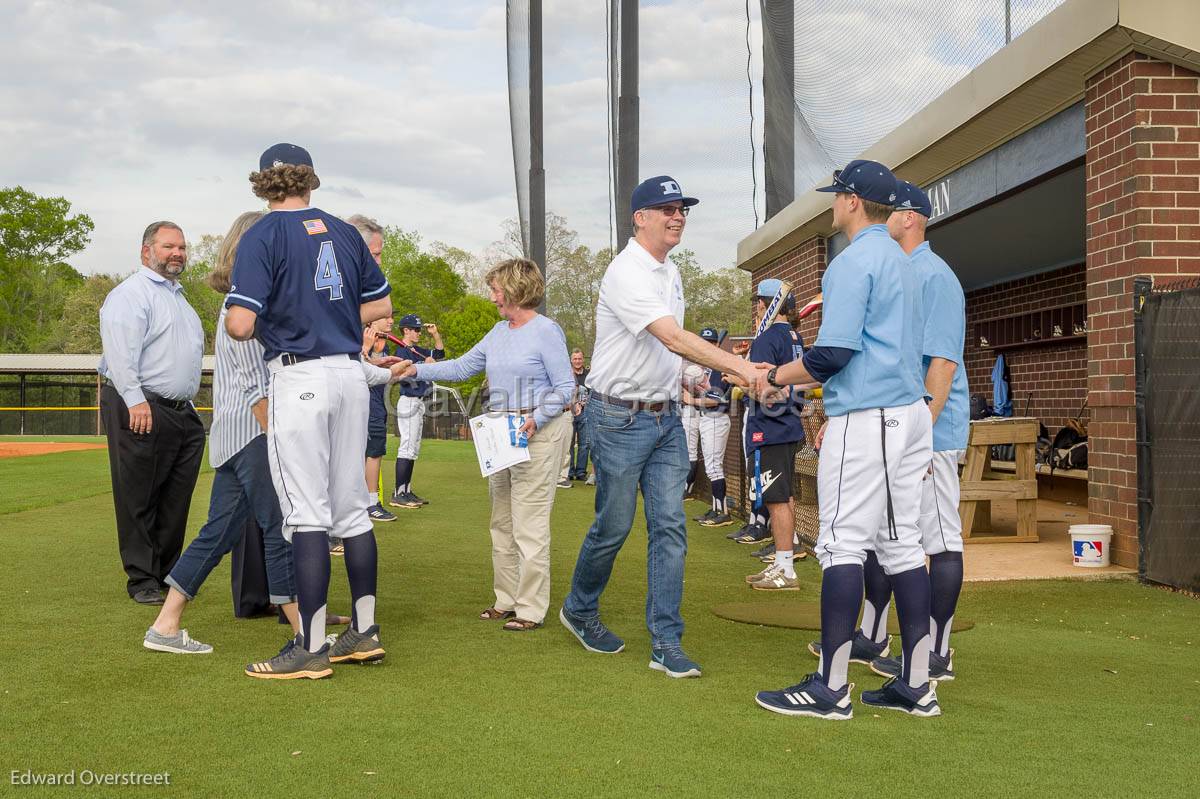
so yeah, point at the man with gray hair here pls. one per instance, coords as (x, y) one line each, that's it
(374, 346)
(153, 345)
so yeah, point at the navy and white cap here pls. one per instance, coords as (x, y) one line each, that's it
(284, 154)
(912, 198)
(658, 191)
(709, 334)
(870, 180)
(410, 321)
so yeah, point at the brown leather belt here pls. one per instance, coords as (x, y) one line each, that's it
(633, 405)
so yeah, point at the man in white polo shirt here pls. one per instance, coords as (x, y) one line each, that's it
(637, 437)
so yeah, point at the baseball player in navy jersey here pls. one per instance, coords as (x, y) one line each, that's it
(410, 407)
(713, 432)
(304, 283)
(773, 434)
(950, 406)
(875, 452)
(689, 417)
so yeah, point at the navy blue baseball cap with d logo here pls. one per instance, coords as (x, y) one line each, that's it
(284, 154)
(709, 334)
(410, 321)
(658, 191)
(912, 198)
(870, 180)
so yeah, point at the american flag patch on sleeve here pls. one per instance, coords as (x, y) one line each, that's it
(314, 226)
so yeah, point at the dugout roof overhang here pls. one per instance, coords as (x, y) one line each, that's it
(1011, 130)
(60, 364)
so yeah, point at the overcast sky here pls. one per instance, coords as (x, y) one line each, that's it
(137, 110)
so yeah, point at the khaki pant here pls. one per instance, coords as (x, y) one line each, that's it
(522, 498)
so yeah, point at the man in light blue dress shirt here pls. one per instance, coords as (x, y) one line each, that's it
(153, 345)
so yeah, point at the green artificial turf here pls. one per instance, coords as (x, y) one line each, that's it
(1087, 688)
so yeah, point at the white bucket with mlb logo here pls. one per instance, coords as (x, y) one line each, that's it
(1090, 543)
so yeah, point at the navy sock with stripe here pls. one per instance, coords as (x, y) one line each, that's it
(945, 584)
(878, 589)
(310, 551)
(841, 595)
(362, 567)
(912, 609)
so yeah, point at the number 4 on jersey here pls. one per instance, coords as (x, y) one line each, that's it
(327, 276)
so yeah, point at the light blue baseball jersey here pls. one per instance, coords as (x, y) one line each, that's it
(872, 305)
(945, 331)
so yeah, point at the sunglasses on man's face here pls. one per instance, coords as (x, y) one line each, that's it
(670, 210)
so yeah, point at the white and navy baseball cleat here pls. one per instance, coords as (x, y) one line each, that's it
(809, 697)
(896, 695)
(863, 650)
(941, 669)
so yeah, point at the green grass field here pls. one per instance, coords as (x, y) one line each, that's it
(1065, 688)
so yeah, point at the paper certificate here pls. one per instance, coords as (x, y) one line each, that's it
(498, 445)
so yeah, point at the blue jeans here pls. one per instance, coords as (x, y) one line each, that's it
(241, 488)
(581, 447)
(632, 450)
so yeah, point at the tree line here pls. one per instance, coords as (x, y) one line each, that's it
(48, 306)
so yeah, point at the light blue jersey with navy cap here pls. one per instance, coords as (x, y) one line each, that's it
(872, 305)
(945, 310)
(305, 273)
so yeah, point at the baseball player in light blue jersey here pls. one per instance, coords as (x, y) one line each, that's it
(950, 407)
(876, 449)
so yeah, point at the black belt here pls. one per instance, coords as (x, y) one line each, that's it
(288, 359)
(634, 405)
(175, 405)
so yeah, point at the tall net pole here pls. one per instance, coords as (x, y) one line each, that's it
(537, 171)
(627, 118)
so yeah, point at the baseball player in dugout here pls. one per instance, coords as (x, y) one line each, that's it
(712, 430)
(304, 283)
(410, 407)
(875, 450)
(153, 345)
(773, 434)
(637, 437)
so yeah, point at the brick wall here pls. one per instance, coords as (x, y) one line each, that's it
(1143, 217)
(1055, 373)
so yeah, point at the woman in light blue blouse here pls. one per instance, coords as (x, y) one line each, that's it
(529, 373)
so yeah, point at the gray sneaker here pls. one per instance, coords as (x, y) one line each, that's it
(180, 643)
(292, 663)
(356, 647)
(591, 480)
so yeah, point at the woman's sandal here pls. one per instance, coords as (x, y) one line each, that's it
(521, 625)
(492, 614)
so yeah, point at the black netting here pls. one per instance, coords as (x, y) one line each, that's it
(518, 109)
(1170, 476)
(861, 69)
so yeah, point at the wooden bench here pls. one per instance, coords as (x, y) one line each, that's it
(978, 493)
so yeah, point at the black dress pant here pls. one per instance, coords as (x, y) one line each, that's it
(248, 578)
(153, 476)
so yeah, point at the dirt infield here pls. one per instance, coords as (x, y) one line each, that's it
(18, 449)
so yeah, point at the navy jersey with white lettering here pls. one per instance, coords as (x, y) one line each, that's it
(417, 388)
(305, 273)
(718, 390)
(778, 423)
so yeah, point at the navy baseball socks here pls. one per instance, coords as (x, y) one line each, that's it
(945, 584)
(403, 496)
(877, 589)
(360, 643)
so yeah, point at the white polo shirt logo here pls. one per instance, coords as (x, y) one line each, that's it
(670, 187)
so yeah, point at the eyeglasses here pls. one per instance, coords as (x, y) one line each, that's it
(670, 210)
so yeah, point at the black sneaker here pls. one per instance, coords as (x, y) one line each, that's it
(403, 499)
(737, 533)
(941, 668)
(708, 514)
(356, 647)
(755, 534)
(767, 551)
(895, 695)
(718, 520)
(809, 697)
(863, 650)
(418, 500)
(380, 514)
(292, 663)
